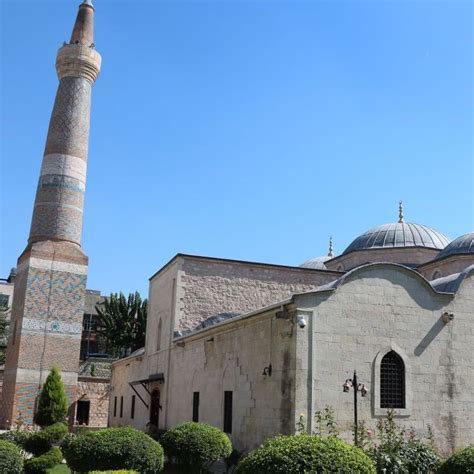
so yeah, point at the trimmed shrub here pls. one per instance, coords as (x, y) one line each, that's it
(42, 441)
(16, 437)
(39, 464)
(195, 445)
(306, 453)
(11, 460)
(52, 404)
(461, 462)
(113, 448)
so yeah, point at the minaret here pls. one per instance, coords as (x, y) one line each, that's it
(47, 309)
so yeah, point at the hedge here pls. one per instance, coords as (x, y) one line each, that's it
(306, 453)
(11, 460)
(113, 449)
(461, 462)
(42, 441)
(195, 445)
(39, 464)
(16, 437)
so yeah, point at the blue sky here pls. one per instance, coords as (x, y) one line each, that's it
(246, 130)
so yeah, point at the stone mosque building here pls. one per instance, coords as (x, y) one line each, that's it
(247, 346)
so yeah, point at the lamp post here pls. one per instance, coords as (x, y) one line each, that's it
(358, 387)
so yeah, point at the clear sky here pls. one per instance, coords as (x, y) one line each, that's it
(251, 130)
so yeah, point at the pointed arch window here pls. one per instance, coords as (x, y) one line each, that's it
(392, 381)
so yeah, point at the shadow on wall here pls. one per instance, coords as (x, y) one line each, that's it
(430, 336)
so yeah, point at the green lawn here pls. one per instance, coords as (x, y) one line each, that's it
(59, 469)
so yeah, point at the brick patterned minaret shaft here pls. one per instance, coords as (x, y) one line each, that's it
(48, 302)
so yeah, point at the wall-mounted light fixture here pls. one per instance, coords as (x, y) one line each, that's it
(447, 317)
(268, 370)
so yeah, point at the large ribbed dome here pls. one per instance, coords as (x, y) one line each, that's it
(399, 234)
(461, 245)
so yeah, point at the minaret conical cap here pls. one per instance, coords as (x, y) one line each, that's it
(83, 32)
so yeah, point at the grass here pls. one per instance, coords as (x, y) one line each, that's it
(59, 469)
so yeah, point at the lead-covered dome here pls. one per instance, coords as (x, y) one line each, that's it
(316, 263)
(399, 234)
(461, 245)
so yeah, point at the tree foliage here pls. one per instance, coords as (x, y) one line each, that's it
(122, 322)
(52, 404)
(3, 332)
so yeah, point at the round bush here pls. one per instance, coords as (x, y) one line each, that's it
(113, 449)
(195, 445)
(306, 453)
(39, 464)
(42, 441)
(16, 437)
(461, 462)
(11, 460)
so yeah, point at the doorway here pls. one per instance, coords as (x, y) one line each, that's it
(83, 410)
(155, 408)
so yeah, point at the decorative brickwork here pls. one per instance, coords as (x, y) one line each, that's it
(49, 295)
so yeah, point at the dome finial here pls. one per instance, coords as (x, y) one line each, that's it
(330, 251)
(400, 212)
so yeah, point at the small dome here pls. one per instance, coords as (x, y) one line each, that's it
(399, 234)
(461, 245)
(316, 263)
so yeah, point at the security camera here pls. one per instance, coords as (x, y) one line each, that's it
(301, 321)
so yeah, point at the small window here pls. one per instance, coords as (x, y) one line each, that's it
(132, 410)
(158, 336)
(392, 381)
(115, 407)
(196, 406)
(121, 407)
(228, 412)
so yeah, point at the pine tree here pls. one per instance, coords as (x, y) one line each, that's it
(52, 404)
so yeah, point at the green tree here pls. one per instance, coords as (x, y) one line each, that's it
(3, 333)
(122, 322)
(52, 404)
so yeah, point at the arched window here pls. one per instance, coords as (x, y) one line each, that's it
(392, 381)
(158, 336)
(436, 274)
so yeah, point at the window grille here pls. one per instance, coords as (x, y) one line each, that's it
(196, 406)
(132, 411)
(228, 412)
(392, 381)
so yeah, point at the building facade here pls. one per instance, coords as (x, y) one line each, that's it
(250, 347)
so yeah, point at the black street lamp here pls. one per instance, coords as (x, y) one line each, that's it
(358, 387)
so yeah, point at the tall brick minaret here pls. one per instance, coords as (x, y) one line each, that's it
(47, 309)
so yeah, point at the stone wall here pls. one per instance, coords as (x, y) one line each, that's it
(446, 266)
(97, 392)
(381, 308)
(410, 256)
(208, 287)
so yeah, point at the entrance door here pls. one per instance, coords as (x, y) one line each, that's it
(83, 409)
(155, 407)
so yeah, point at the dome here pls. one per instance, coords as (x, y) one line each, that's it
(461, 245)
(316, 263)
(400, 234)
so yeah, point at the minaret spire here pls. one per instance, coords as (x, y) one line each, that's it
(400, 212)
(331, 249)
(83, 31)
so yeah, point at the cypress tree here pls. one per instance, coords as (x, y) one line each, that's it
(52, 404)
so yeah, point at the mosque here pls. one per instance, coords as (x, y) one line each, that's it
(246, 346)
(250, 347)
